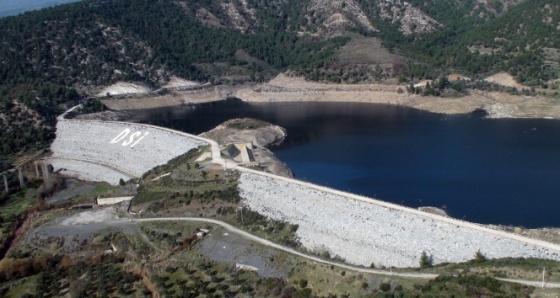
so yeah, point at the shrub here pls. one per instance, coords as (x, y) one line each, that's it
(425, 260)
(385, 287)
(479, 257)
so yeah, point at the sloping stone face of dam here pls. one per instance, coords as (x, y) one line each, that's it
(108, 151)
(363, 230)
(358, 229)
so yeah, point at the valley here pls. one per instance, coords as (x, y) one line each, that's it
(207, 216)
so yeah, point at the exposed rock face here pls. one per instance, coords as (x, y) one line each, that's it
(411, 19)
(335, 16)
(124, 88)
(237, 15)
(261, 134)
(489, 8)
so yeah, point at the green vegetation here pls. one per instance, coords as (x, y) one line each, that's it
(472, 285)
(517, 39)
(91, 105)
(246, 123)
(516, 268)
(48, 55)
(425, 260)
(28, 110)
(152, 258)
(184, 187)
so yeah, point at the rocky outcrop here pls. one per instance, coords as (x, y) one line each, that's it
(260, 134)
(335, 16)
(411, 19)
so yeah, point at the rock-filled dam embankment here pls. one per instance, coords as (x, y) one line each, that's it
(360, 230)
(108, 151)
(364, 231)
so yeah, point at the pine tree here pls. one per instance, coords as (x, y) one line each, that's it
(425, 260)
(479, 257)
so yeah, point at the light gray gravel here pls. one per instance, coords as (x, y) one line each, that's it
(362, 232)
(108, 151)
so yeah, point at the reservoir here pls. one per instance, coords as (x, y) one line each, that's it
(490, 171)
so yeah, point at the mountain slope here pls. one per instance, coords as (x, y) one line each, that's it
(50, 56)
(87, 45)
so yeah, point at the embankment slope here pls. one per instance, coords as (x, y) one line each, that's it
(108, 151)
(364, 231)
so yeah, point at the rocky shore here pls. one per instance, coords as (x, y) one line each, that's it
(285, 88)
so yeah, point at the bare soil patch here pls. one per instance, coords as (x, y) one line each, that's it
(504, 79)
(365, 50)
(169, 99)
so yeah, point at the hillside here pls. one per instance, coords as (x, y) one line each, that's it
(88, 45)
(63, 53)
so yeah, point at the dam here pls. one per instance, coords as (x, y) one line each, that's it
(359, 230)
(110, 151)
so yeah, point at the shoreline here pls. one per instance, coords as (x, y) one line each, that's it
(296, 89)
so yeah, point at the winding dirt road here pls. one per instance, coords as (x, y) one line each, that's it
(319, 260)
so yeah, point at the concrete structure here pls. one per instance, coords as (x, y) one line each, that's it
(112, 201)
(240, 153)
(36, 166)
(46, 173)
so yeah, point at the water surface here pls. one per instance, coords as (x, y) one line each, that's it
(484, 170)
(14, 7)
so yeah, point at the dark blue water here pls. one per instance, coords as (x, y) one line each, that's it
(487, 171)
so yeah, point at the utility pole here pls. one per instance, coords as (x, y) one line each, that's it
(543, 270)
(36, 169)
(20, 177)
(241, 213)
(6, 187)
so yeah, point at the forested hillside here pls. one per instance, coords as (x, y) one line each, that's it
(64, 53)
(518, 37)
(48, 55)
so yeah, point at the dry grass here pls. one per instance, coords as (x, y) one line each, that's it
(504, 79)
(173, 98)
(365, 50)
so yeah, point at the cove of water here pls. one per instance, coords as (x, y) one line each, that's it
(487, 171)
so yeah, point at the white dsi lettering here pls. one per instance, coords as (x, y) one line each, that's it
(140, 139)
(120, 136)
(131, 138)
